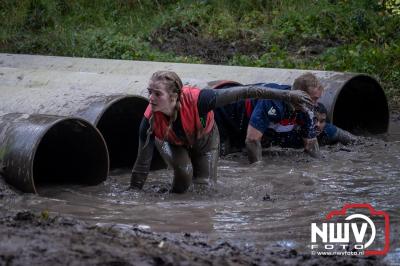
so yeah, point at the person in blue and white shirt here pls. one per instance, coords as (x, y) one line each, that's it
(244, 123)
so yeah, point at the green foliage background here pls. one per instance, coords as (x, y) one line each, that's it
(340, 35)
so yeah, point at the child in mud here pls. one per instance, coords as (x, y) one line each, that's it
(179, 121)
(245, 122)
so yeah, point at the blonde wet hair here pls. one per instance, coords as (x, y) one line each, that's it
(174, 85)
(307, 82)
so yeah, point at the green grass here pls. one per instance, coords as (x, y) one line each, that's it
(339, 35)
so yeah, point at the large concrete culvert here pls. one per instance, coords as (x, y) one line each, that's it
(117, 116)
(42, 150)
(355, 102)
(119, 124)
(360, 106)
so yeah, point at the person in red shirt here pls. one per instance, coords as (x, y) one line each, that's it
(179, 121)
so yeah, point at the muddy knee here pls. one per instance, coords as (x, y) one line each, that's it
(205, 159)
(182, 178)
(205, 167)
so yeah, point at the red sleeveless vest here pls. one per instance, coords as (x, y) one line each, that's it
(189, 114)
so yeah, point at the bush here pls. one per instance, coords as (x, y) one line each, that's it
(38, 15)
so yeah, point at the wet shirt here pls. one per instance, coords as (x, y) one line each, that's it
(328, 135)
(294, 138)
(280, 117)
(206, 103)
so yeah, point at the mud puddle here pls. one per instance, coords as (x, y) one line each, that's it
(258, 206)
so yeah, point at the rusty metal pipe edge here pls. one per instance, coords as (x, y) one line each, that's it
(38, 150)
(118, 118)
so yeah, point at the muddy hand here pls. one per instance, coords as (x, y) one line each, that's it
(300, 99)
(311, 147)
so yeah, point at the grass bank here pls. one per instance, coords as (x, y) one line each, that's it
(340, 35)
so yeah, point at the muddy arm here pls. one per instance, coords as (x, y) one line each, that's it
(311, 147)
(254, 150)
(308, 129)
(253, 144)
(143, 160)
(332, 135)
(344, 137)
(231, 95)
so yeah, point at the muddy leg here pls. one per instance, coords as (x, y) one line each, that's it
(205, 158)
(177, 158)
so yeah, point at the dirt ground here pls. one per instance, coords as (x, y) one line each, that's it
(28, 238)
(190, 41)
(37, 238)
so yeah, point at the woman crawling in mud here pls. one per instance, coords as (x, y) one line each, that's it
(179, 121)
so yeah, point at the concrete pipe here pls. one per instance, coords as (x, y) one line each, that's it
(117, 116)
(118, 119)
(39, 150)
(355, 102)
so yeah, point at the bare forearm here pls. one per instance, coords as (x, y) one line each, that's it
(254, 150)
(311, 147)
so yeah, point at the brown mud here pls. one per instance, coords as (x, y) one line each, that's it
(31, 239)
(188, 40)
(255, 215)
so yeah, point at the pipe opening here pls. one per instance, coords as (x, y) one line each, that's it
(119, 126)
(361, 107)
(71, 152)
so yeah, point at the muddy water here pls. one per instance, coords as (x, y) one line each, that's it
(272, 203)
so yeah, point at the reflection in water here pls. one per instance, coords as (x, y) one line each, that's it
(270, 203)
